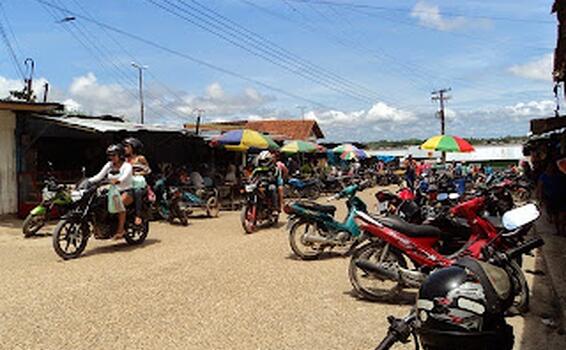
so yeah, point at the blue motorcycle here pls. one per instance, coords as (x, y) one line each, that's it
(298, 188)
(313, 228)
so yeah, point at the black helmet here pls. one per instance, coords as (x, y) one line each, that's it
(462, 307)
(115, 149)
(136, 144)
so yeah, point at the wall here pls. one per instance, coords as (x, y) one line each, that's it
(8, 182)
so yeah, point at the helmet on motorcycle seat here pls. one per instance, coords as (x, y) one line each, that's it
(115, 149)
(265, 158)
(462, 307)
(136, 144)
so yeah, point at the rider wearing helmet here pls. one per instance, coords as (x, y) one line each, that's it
(119, 173)
(462, 307)
(266, 169)
(140, 166)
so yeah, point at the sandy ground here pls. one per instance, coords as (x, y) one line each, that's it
(206, 286)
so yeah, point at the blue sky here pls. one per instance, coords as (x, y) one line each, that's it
(364, 72)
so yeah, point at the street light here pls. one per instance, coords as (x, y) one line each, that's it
(140, 69)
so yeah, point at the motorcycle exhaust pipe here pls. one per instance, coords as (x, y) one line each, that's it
(315, 239)
(377, 270)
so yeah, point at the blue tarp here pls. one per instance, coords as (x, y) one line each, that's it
(386, 159)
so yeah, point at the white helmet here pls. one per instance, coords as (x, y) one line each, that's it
(265, 158)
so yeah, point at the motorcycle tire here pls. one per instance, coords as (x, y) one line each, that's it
(313, 193)
(298, 246)
(212, 207)
(70, 232)
(357, 275)
(32, 224)
(248, 223)
(136, 234)
(521, 301)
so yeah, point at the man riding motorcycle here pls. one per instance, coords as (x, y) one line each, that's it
(266, 169)
(140, 168)
(119, 173)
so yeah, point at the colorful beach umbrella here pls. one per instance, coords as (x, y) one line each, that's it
(350, 152)
(299, 146)
(244, 139)
(446, 143)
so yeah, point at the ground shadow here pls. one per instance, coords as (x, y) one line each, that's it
(10, 222)
(543, 328)
(323, 256)
(120, 247)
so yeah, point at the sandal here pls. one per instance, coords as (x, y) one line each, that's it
(119, 236)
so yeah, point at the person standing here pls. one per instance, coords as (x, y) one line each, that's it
(410, 171)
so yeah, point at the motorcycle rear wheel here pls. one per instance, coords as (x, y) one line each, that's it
(212, 207)
(370, 287)
(136, 234)
(70, 239)
(296, 240)
(32, 224)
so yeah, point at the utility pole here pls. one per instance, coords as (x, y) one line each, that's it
(302, 109)
(440, 95)
(140, 69)
(199, 115)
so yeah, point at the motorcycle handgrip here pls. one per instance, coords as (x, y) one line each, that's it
(525, 248)
(387, 342)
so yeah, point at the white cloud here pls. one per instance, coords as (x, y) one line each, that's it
(429, 15)
(538, 69)
(533, 108)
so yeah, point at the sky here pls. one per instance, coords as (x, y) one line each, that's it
(363, 69)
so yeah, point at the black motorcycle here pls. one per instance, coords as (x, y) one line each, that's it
(89, 216)
(258, 207)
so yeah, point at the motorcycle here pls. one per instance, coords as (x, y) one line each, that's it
(54, 196)
(313, 229)
(297, 188)
(169, 202)
(259, 208)
(401, 329)
(398, 243)
(89, 216)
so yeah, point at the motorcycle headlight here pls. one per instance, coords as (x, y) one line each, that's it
(250, 188)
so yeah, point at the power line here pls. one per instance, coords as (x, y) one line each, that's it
(261, 51)
(410, 10)
(13, 56)
(188, 57)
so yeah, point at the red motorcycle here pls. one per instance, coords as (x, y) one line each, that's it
(400, 255)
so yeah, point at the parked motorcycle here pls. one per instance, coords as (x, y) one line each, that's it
(313, 229)
(90, 216)
(259, 208)
(297, 188)
(463, 306)
(54, 197)
(398, 243)
(169, 202)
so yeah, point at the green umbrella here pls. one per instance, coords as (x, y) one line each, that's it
(299, 146)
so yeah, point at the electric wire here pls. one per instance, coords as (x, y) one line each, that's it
(15, 61)
(188, 57)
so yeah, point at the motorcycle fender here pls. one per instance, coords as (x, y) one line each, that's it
(290, 221)
(39, 210)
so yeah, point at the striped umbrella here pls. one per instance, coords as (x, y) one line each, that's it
(349, 152)
(299, 146)
(446, 143)
(244, 139)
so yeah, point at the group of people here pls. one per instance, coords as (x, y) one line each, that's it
(126, 169)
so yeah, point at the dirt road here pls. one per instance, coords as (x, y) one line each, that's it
(206, 286)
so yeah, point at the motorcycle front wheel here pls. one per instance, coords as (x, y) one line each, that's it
(297, 234)
(248, 218)
(367, 285)
(70, 238)
(32, 224)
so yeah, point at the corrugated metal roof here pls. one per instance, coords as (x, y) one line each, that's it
(92, 124)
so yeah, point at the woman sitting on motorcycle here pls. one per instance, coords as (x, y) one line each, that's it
(119, 173)
(140, 166)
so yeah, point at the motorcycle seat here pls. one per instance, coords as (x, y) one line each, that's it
(329, 209)
(411, 230)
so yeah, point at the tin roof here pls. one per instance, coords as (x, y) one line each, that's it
(108, 124)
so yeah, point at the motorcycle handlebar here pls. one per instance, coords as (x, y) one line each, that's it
(387, 342)
(524, 248)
